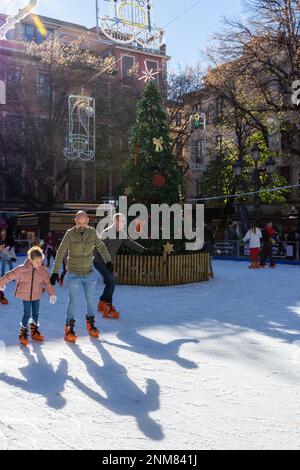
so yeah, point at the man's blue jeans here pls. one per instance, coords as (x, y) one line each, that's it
(3, 266)
(88, 283)
(31, 310)
(109, 281)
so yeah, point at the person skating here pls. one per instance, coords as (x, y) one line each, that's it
(113, 238)
(80, 242)
(5, 256)
(31, 277)
(269, 239)
(9, 248)
(209, 246)
(51, 247)
(254, 235)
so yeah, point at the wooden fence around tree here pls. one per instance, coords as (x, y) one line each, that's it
(162, 270)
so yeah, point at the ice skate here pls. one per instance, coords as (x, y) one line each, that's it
(70, 335)
(23, 337)
(90, 326)
(110, 312)
(35, 334)
(3, 300)
(101, 305)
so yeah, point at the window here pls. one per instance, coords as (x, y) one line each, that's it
(285, 171)
(219, 143)
(43, 87)
(29, 33)
(198, 151)
(219, 109)
(75, 184)
(179, 149)
(14, 79)
(199, 187)
(127, 63)
(102, 184)
(178, 120)
(13, 129)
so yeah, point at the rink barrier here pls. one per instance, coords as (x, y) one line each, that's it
(165, 270)
(284, 251)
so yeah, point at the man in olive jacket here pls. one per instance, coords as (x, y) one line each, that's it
(80, 242)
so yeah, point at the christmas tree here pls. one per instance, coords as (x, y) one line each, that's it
(152, 174)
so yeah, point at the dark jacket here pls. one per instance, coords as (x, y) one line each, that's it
(268, 234)
(209, 240)
(114, 244)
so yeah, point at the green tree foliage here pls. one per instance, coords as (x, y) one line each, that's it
(152, 175)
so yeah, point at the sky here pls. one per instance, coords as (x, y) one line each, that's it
(186, 36)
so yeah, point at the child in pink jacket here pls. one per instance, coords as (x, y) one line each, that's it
(32, 277)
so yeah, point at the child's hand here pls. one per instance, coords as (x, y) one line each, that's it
(53, 299)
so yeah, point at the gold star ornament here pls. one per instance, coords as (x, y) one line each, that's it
(168, 248)
(128, 191)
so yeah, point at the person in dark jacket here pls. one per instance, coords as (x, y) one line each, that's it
(51, 247)
(269, 238)
(113, 238)
(209, 246)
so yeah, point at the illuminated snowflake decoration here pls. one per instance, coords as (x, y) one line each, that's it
(149, 74)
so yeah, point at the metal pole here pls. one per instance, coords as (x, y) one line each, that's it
(97, 16)
(257, 199)
(149, 15)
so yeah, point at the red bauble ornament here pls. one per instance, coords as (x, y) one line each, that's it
(158, 180)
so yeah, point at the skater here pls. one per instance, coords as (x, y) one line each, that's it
(209, 247)
(9, 249)
(113, 242)
(7, 257)
(80, 242)
(254, 235)
(31, 277)
(269, 239)
(51, 247)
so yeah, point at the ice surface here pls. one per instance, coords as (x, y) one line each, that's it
(206, 366)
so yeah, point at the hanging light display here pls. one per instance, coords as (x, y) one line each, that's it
(12, 20)
(81, 139)
(2, 92)
(131, 21)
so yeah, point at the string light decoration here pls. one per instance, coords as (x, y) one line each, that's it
(81, 139)
(128, 22)
(13, 20)
(148, 74)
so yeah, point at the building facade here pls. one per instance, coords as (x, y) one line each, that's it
(90, 182)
